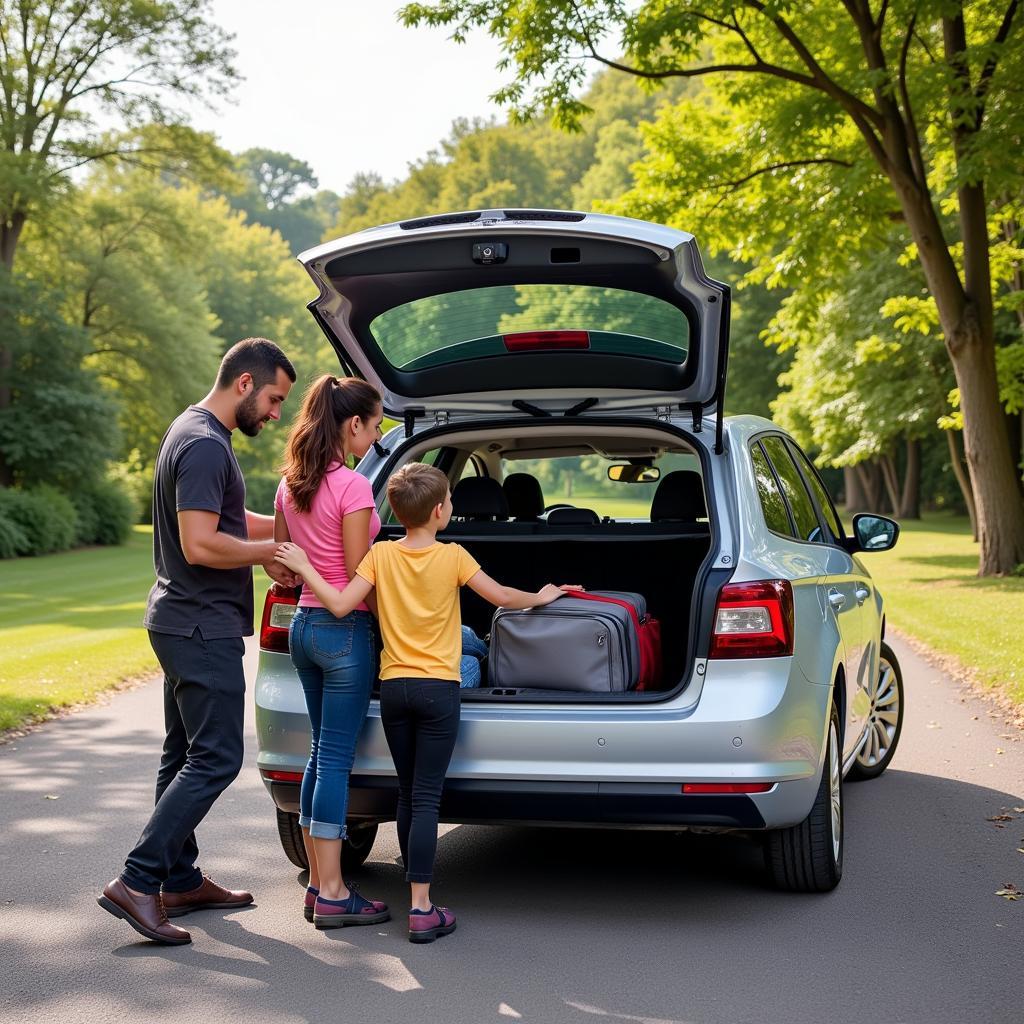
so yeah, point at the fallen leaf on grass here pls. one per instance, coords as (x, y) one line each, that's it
(1009, 891)
(1000, 817)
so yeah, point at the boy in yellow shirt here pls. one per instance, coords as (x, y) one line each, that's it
(417, 580)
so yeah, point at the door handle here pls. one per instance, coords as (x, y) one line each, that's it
(862, 594)
(836, 599)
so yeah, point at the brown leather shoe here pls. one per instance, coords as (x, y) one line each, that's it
(208, 896)
(144, 913)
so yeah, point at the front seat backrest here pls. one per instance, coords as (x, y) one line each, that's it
(573, 517)
(479, 498)
(679, 498)
(524, 495)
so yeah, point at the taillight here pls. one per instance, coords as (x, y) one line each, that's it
(538, 341)
(276, 776)
(278, 610)
(753, 620)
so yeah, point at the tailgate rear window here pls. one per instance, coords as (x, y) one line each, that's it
(474, 324)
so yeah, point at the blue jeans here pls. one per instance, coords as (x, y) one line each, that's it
(334, 662)
(473, 649)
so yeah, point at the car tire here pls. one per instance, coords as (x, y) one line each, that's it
(291, 838)
(354, 850)
(885, 721)
(809, 857)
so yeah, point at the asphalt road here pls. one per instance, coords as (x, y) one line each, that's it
(584, 927)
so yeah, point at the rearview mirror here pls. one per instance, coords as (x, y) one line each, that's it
(874, 533)
(630, 474)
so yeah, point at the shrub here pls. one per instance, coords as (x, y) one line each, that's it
(45, 516)
(106, 513)
(13, 541)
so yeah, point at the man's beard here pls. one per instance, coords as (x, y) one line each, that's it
(246, 416)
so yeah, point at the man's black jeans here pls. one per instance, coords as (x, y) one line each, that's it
(421, 722)
(204, 708)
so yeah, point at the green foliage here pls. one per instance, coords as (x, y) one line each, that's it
(45, 517)
(105, 512)
(60, 426)
(13, 541)
(69, 66)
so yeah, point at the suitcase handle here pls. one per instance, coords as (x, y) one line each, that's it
(611, 600)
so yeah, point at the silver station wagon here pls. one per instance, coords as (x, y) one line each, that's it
(528, 349)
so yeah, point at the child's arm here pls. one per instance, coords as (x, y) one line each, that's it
(338, 602)
(509, 597)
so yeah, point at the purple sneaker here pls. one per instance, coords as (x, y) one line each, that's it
(308, 903)
(427, 925)
(355, 910)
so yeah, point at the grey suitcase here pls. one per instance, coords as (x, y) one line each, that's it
(570, 644)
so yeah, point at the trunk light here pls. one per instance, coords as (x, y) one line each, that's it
(278, 610)
(276, 776)
(727, 787)
(754, 620)
(537, 341)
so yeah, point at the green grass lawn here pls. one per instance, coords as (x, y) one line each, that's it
(70, 624)
(932, 593)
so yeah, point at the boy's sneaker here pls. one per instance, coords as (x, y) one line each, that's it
(355, 910)
(309, 902)
(427, 925)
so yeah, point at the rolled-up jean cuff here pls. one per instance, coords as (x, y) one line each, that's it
(327, 830)
(419, 876)
(303, 821)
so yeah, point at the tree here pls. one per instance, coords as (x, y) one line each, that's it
(916, 97)
(65, 64)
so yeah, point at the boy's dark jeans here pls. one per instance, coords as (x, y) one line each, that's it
(204, 706)
(421, 722)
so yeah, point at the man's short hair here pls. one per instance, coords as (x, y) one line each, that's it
(415, 491)
(259, 357)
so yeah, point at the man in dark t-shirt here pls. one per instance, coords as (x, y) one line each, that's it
(205, 543)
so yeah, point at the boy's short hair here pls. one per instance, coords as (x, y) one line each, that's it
(415, 491)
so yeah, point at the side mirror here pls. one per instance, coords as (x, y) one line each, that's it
(874, 533)
(630, 474)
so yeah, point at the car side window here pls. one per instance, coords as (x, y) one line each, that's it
(804, 516)
(828, 510)
(773, 505)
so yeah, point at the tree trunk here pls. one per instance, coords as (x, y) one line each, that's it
(998, 506)
(854, 493)
(962, 480)
(890, 478)
(10, 232)
(910, 499)
(871, 486)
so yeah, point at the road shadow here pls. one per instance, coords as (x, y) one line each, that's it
(555, 924)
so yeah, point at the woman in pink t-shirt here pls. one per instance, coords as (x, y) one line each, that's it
(328, 510)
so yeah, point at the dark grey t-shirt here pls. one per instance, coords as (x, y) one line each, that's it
(196, 468)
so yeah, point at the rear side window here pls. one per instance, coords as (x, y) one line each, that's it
(772, 503)
(824, 501)
(799, 500)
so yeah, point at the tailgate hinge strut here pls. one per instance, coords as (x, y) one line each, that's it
(411, 415)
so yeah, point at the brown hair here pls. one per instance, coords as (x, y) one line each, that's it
(414, 491)
(313, 442)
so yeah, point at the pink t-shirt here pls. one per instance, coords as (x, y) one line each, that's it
(318, 532)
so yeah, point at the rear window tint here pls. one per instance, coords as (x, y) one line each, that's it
(799, 500)
(824, 500)
(772, 503)
(471, 324)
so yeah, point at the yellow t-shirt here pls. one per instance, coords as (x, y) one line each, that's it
(418, 604)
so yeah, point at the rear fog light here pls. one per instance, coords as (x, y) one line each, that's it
(727, 787)
(276, 776)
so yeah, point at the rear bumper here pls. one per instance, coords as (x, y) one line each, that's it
(504, 801)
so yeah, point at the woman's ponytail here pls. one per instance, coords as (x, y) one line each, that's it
(314, 440)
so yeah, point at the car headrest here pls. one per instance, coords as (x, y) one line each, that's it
(573, 517)
(679, 498)
(524, 495)
(479, 497)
